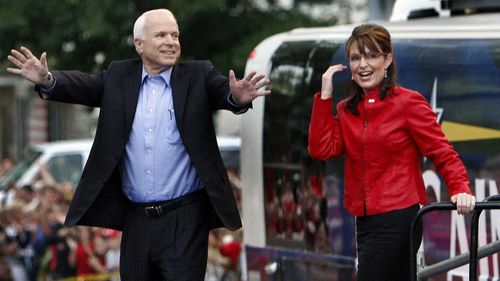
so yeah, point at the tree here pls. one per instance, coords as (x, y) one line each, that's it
(88, 34)
(75, 34)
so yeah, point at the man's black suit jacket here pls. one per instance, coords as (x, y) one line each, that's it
(197, 91)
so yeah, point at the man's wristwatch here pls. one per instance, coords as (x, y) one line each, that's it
(50, 78)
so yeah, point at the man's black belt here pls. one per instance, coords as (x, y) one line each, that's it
(157, 209)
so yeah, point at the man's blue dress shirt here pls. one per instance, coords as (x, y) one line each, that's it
(156, 166)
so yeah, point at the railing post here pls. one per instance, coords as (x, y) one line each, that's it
(414, 229)
(474, 229)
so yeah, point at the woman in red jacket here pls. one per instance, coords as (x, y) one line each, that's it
(383, 130)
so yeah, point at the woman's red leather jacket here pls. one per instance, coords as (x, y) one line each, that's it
(383, 149)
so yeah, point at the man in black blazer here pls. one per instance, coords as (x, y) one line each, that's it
(154, 171)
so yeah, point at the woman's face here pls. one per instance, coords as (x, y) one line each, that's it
(368, 69)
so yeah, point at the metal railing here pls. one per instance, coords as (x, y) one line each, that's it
(492, 202)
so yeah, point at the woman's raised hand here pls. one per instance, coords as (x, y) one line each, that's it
(326, 80)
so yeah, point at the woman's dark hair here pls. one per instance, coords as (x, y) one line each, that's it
(374, 38)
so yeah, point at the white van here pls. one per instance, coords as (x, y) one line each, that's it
(64, 160)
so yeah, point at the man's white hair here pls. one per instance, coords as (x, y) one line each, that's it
(139, 27)
(139, 23)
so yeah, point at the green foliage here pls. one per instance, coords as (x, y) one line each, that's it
(72, 32)
(75, 32)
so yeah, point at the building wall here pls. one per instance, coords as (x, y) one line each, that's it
(38, 121)
(14, 108)
(69, 121)
(26, 119)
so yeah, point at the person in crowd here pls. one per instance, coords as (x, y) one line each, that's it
(112, 258)
(56, 265)
(25, 197)
(231, 248)
(216, 262)
(7, 196)
(15, 239)
(45, 178)
(154, 171)
(5, 272)
(98, 256)
(383, 130)
(81, 254)
(6, 165)
(18, 229)
(15, 265)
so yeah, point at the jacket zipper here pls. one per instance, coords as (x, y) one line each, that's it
(365, 125)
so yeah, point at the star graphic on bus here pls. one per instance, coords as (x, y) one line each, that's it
(455, 131)
(437, 110)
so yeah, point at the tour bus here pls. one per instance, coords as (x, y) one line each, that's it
(295, 226)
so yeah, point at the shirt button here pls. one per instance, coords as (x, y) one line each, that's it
(151, 110)
(150, 130)
(148, 172)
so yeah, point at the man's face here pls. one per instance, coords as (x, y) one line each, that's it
(160, 46)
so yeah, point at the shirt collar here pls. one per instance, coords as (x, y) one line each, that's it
(372, 93)
(166, 74)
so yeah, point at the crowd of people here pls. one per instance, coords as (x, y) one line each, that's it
(34, 244)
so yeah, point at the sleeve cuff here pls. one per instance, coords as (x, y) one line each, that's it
(45, 91)
(321, 105)
(232, 102)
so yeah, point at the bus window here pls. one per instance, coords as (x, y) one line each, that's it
(303, 195)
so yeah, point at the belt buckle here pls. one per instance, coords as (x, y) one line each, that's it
(153, 211)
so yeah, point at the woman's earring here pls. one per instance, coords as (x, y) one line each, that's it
(385, 73)
(352, 77)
